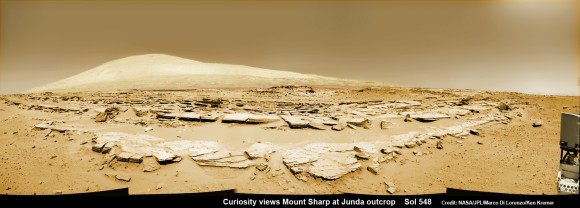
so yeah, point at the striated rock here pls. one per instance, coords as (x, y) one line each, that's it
(295, 122)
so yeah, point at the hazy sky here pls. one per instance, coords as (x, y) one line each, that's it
(523, 45)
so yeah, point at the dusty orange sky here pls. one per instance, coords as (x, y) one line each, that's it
(524, 46)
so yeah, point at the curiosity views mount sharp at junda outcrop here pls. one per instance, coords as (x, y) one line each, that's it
(164, 72)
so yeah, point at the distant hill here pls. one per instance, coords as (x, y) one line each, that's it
(164, 72)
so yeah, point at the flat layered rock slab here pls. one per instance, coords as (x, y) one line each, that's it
(333, 165)
(223, 158)
(260, 150)
(299, 156)
(236, 118)
(210, 117)
(193, 147)
(258, 119)
(476, 108)
(428, 117)
(325, 160)
(189, 117)
(317, 125)
(295, 122)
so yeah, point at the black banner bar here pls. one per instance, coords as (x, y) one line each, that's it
(228, 198)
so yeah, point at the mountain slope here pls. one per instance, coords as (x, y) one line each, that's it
(164, 72)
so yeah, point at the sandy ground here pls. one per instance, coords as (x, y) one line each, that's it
(509, 157)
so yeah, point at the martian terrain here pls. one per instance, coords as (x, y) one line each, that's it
(162, 124)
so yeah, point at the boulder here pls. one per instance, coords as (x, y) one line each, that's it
(537, 124)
